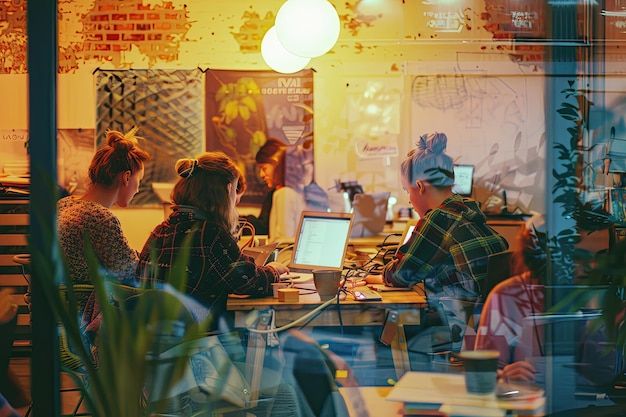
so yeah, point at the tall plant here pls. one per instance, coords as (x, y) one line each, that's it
(130, 331)
(570, 187)
(606, 270)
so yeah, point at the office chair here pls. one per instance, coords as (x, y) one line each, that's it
(498, 269)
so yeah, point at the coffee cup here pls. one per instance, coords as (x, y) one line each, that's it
(277, 285)
(326, 282)
(481, 370)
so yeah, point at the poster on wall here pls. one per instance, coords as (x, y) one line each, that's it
(245, 109)
(75, 151)
(167, 107)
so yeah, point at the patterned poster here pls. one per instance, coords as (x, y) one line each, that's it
(166, 105)
(245, 108)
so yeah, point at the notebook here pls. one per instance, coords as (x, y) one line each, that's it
(321, 241)
(370, 214)
(260, 254)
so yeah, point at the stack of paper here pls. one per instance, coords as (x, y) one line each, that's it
(446, 393)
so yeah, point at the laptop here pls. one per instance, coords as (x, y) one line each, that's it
(370, 214)
(260, 254)
(408, 232)
(321, 242)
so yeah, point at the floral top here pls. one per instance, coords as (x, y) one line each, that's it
(216, 265)
(502, 316)
(79, 220)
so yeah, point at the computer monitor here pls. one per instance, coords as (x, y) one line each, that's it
(463, 179)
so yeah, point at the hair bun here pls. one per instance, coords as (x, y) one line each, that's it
(184, 167)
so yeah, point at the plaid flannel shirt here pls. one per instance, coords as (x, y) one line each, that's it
(216, 265)
(448, 251)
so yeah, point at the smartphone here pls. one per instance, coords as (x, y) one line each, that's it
(390, 328)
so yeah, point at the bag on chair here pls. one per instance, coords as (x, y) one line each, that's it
(210, 372)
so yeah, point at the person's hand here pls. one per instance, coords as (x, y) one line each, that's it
(7, 309)
(374, 279)
(518, 371)
(280, 268)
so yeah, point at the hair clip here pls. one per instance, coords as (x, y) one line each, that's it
(189, 171)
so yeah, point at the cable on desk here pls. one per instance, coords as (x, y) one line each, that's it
(294, 323)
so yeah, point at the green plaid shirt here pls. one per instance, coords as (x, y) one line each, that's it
(448, 251)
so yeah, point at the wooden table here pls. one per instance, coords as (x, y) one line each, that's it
(406, 306)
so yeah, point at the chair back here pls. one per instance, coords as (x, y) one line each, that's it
(498, 269)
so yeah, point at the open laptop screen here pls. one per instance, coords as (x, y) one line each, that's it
(321, 241)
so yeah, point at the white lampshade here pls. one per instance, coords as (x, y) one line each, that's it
(307, 28)
(277, 57)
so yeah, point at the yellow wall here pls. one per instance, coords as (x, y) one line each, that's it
(384, 45)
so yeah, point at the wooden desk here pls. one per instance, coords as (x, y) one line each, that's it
(372, 401)
(407, 305)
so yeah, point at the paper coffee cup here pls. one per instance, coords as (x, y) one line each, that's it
(481, 370)
(326, 282)
(277, 285)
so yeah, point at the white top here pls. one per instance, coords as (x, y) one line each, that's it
(287, 206)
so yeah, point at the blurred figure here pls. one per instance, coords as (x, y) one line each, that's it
(204, 221)
(519, 296)
(8, 311)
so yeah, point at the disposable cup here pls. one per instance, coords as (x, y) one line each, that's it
(326, 283)
(277, 285)
(481, 370)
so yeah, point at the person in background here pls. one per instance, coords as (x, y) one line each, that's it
(519, 296)
(451, 242)
(280, 212)
(204, 221)
(8, 311)
(115, 172)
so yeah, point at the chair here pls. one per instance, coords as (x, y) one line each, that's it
(498, 269)
(70, 363)
(311, 373)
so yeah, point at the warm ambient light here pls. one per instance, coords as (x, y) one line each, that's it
(277, 57)
(308, 28)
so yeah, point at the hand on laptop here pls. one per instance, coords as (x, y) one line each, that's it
(280, 268)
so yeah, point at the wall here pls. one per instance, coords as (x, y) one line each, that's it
(464, 84)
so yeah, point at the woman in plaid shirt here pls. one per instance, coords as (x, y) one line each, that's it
(204, 222)
(450, 244)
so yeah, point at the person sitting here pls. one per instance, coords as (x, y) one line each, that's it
(204, 221)
(522, 296)
(449, 245)
(518, 296)
(115, 173)
(8, 382)
(280, 212)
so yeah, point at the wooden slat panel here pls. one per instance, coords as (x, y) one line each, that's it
(14, 240)
(6, 259)
(18, 299)
(13, 280)
(13, 219)
(23, 319)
